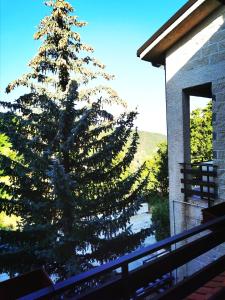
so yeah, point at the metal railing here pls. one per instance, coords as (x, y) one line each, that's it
(199, 181)
(126, 284)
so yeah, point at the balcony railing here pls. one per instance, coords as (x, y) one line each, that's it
(128, 283)
(199, 181)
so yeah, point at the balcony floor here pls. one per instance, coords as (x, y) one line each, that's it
(212, 290)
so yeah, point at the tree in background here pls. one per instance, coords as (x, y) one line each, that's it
(160, 170)
(6, 150)
(160, 218)
(70, 187)
(201, 134)
(158, 190)
(201, 150)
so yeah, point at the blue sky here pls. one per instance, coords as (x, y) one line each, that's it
(116, 29)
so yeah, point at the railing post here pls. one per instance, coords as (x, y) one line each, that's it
(208, 187)
(216, 186)
(201, 178)
(185, 183)
(125, 274)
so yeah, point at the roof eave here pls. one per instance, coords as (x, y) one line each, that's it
(187, 18)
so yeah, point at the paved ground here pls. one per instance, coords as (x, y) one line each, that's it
(212, 290)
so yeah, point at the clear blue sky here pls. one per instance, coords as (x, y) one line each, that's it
(116, 29)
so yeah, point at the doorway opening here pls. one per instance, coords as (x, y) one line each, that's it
(200, 123)
(198, 169)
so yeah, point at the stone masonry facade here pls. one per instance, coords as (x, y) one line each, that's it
(197, 59)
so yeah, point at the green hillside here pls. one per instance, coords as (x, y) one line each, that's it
(148, 143)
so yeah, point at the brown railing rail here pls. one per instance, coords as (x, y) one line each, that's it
(199, 180)
(126, 284)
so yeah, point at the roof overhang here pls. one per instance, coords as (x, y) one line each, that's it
(184, 20)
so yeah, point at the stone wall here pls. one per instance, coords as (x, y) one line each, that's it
(218, 89)
(197, 59)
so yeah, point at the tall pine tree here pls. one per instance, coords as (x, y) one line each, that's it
(70, 188)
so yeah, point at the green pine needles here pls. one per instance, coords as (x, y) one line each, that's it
(71, 188)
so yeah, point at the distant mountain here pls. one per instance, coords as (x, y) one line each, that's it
(148, 143)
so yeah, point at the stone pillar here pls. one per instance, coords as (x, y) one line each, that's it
(186, 128)
(218, 90)
(178, 124)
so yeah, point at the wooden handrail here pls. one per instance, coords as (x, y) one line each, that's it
(124, 261)
(203, 163)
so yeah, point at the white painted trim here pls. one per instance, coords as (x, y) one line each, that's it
(171, 27)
